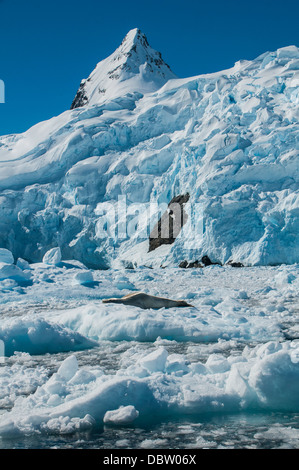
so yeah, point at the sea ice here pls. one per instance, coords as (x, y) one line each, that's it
(11, 271)
(122, 282)
(250, 382)
(38, 336)
(68, 368)
(228, 353)
(155, 361)
(22, 264)
(53, 256)
(83, 278)
(6, 256)
(123, 415)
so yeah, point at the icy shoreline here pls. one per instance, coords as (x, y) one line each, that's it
(243, 319)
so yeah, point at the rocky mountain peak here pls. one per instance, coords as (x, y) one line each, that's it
(133, 67)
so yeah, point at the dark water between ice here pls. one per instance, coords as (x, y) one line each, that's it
(242, 431)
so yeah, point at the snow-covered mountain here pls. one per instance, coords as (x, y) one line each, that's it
(228, 139)
(133, 67)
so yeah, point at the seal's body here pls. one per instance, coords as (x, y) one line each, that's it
(142, 300)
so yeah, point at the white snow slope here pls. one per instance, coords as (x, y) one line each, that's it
(230, 139)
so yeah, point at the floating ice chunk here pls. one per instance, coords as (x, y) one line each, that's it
(82, 376)
(122, 323)
(294, 355)
(197, 368)
(217, 363)
(267, 348)
(107, 395)
(83, 278)
(68, 368)
(155, 361)
(53, 256)
(123, 415)
(8, 284)
(122, 282)
(6, 256)
(37, 336)
(275, 379)
(284, 278)
(54, 400)
(153, 443)
(176, 364)
(66, 425)
(122, 443)
(23, 264)
(136, 370)
(10, 271)
(238, 384)
(54, 386)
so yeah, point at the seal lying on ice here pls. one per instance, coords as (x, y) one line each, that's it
(142, 300)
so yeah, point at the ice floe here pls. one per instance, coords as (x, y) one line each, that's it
(254, 380)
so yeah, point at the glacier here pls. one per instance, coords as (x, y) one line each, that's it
(80, 197)
(229, 139)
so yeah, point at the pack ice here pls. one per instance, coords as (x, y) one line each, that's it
(76, 399)
(236, 350)
(229, 139)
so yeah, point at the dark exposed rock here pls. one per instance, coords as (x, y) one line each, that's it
(183, 264)
(235, 264)
(170, 224)
(80, 98)
(207, 262)
(194, 264)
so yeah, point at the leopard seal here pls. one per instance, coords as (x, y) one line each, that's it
(145, 301)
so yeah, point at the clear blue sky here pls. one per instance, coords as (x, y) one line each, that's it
(47, 47)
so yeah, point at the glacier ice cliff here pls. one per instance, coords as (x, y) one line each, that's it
(137, 136)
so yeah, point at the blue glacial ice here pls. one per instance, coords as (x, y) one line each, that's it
(229, 138)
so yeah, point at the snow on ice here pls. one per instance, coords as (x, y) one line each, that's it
(236, 358)
(239, 383)
(123, 415)
(52, 256)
